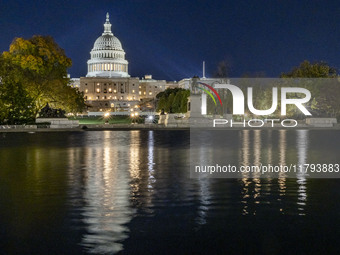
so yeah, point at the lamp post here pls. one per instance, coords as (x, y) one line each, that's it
(134, 116)
(106, 117)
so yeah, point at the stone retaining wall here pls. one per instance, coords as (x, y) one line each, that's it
(321, 122)
(59, 122)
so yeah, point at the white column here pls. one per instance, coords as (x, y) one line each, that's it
(204, 104)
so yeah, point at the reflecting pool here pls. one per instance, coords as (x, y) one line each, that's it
(130, 192)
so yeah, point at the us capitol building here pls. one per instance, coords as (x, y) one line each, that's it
(108, 85)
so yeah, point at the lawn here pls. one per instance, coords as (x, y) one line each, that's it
(102, 120)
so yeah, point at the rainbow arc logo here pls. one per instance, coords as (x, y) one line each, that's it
(209, 93)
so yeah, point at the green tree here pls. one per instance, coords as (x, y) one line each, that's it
(16, 106)
(325, 93)
(40, 65)
(161, 104)
(222, 70)
(173, 100)
(169, 103)
(184, 101)
(311, 70)
(176, 105)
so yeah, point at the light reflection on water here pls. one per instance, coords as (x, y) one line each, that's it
(302, 151)
(126, 191)
(114, 170)
(106, 192)
(257, 187)
(121, 176)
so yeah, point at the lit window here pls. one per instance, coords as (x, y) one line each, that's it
(98, 90)
(115, 97)
(86, 90)
(134, 97)
(97, 84)
(150, 93)
(112, 105)
(140, 92)
(110, 90)
(90, 98)
(128, 104)
(115, 91)
(144, 93)
(133, 91)
(140, 87)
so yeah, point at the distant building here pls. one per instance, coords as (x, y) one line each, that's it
(75, 82)
(108, 85)
(149, 88)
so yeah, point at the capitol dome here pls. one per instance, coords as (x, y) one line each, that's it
(107, 42)
(107, 56)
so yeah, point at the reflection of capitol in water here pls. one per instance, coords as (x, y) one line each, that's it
(117, 179)
(107, 197)
(106, 190)
(111, 169)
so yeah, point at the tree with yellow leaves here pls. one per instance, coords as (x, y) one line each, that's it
(39, 65)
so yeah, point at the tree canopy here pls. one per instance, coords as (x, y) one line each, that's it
(35, 71)
(319, 78)
(173, 100)
(311, 70)
(222, 70)
(325, 93)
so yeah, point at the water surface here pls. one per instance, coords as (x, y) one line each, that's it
(129, 192)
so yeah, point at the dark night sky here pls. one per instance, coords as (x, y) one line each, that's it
(171, 38)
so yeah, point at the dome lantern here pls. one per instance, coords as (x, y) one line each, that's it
(107, 26)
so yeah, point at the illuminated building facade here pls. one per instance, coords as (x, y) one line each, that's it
(108, 85)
